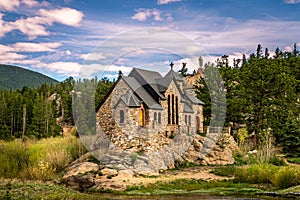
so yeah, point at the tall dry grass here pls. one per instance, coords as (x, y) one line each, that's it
(38, 159)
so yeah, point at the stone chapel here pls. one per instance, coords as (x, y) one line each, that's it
(147, 103)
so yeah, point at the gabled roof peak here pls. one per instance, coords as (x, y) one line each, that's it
(175, 75)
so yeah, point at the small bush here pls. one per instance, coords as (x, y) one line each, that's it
(201, 133)
(257, 173)
(75, 147)
(294, 160)
(109, 176)
(224, 171)
(274, 160)
(42, 171)
(287, 177)
(58, 159)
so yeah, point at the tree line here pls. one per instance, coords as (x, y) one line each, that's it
(43, 111)
(262, 94)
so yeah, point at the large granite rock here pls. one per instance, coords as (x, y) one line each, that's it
(197, 149)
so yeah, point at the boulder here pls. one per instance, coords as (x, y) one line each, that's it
(81, 168)
(108, 172)
(80, 181)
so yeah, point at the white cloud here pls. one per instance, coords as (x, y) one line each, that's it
(292, 1)
(11, 57)
(68, 52)
(143, 14)
(82, 71)
(160, 2)
(36, 26)
(93, 56)
(35, 47)
(61, 68)
(12, 5)
(66, 16)
(10, 53)
(9, 5)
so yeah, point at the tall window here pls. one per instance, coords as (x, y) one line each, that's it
(141, 117)
(155, 116)
(173, 109)
(169, 109)
(190, 122)
(122, 118)
(159, 118)
(176, 110)
(197, 122)
(185, 120)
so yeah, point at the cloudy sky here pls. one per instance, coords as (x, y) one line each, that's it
(62, 38)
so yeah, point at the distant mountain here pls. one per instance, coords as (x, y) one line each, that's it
(12, 78)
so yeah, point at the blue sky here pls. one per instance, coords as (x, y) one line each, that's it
(62, 38)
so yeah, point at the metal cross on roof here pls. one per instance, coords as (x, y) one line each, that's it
(171, 64)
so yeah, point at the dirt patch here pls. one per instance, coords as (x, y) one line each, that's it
(121, 181)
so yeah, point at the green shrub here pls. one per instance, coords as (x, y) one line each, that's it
(294, 160)
(287, 177)
(257, 173)
(109, 176)
(224, 171)
(75, 147)
(274, 160)
(201, 133)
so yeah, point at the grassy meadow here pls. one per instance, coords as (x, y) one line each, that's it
(38, 159)
(31, 169)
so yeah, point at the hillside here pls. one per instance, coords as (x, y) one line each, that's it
(12, 78)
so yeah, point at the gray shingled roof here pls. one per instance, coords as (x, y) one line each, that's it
(187, 108)
(163, 83)
(192, 98)
(147, 77)
(171, 73)
(149, 87)
(138, 89)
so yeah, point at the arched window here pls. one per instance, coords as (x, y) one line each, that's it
(176, 110)
(185, 119)
(122, 117)
(159, 118)
(173, 107)
(141, 117)
(169, 109)
(197, 122)
(190, 121)
(173, 110)
(155, 116)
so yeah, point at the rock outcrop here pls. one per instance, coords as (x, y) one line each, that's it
(84, 174)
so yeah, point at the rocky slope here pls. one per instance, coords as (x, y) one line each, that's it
(84, 174)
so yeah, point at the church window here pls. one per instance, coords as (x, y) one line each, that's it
(169, 109)
(173, 109)
(159, 118)
(197, 122)
(141, 117)
(176, 110)
(122, 117)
